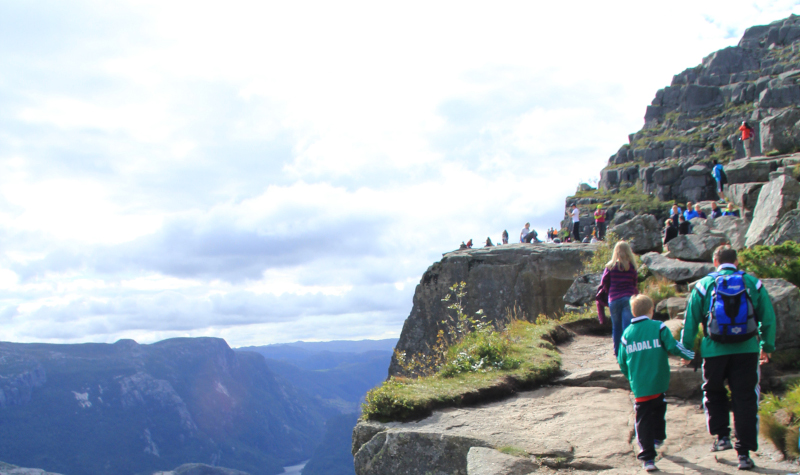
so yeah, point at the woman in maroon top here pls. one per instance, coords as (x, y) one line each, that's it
(619, 282)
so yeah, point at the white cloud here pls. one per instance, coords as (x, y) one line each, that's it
(274, 171)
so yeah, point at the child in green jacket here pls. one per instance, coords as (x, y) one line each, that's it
(643, 360)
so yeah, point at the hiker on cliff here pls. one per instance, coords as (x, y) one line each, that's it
(643, 361)
(619, 283)
(489, 242)
(675, 215)
(699, 212)
(576, 222)
(689, 213)
(525, 231)
(600, 222)
(747, 137)
(729, 211)
(738, 324)
(505, 236)
(469, 244)
(716, 212)
(532, 236)
(683, 226)
(462, 246)
(720, 177)
(670, 231)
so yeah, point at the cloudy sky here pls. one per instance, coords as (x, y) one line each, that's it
(274, 171)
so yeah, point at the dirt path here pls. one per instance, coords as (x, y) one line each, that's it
(589, 360)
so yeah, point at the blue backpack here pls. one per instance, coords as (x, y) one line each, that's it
(731, 316)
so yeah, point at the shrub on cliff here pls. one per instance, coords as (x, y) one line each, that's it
(781, 261)
(780, 421)
(528, 359)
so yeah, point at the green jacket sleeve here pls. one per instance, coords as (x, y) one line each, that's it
(693, 317)
(766, 318)
(673, 347)
(622, 359)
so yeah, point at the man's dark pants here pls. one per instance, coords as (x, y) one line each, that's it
(651, 425)
(576, 230)
(742, 372)
(601, 230)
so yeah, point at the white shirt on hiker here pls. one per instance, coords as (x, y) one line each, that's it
(576, 215)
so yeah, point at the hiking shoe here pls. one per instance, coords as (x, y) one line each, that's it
(650, 466)
(722, 443)
(658, 444)
(745, 462)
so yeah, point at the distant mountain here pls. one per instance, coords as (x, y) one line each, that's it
(333, 456)
(126, 408)
(338, 374)
(300, 349)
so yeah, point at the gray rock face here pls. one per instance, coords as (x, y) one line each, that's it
(785, 300)
(787, 229)
(781, 132)
(775, 199)
(583, 290)
(734, 229)
(415, 453)
(642, 232)
(672, 306)
(695, 247)
(749, 171)
(744, 195)
(8, 469)
(675, 270)
(484, 461)
(622, 216)
(201, 469)
(16, 390)
(532, 278)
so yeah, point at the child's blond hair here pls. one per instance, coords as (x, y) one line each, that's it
(641, 305)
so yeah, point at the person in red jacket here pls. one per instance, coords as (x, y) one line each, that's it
(747, 137)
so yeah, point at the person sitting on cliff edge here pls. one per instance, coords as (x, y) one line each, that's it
(489, 242)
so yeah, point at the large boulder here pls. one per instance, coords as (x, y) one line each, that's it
(787, 229)
(642, 232)
(674, 269)
(530, 278)
(735, 229)
(485, 461)
(748, 171)
(695, 247)
(744, 195)
(785, 300)
(413, 452)
(781, 132)
(583, 290)
(775, 199)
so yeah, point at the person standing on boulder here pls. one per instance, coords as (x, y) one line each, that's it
(643, 361)
(747, 137)
(719, 176)
(505, 236)
(738, 323)
(576, 222)
(619, 282)
(600, 222)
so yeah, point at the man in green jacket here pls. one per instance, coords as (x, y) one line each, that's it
(642, 358)
(736, 362)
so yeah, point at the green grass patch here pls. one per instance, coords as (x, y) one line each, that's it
(658, 289)
(529, 345)
(781, 261)
(514, 451)
(780, 421)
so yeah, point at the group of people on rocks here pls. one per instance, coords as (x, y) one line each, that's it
(679, 221)
(738, 323)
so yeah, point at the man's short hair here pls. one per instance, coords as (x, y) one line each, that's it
(725, 255)
(641, 305)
